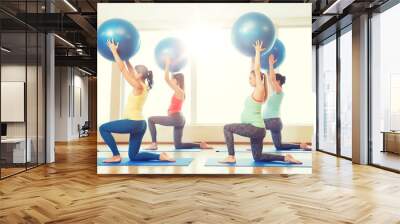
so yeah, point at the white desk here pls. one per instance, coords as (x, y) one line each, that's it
(18, 154)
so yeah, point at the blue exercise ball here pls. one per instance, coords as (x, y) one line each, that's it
(174, 49)
(249, 28)
(123, 33)
(279, 52)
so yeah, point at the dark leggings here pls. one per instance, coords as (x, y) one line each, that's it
(275, 126)
(178, 122)
(136, 129)
(256, 136)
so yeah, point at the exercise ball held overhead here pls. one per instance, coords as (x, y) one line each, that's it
(123, 33)
(279, 52)
(251, 27)
(175, 50)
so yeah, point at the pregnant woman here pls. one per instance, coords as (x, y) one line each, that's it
(252, 125)
(133, 122)
(271, 113)
(175, 117)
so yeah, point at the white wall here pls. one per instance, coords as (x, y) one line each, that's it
(61, 103)
(33, 127)
(298, 106)
(69, 81)
(14, 73)
(79, 117)
(13, 101)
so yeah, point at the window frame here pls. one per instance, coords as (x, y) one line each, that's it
(334, 37)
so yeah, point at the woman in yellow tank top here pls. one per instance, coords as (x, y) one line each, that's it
(133, 122)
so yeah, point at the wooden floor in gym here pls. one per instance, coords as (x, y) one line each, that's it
(197, 166)
(70, 191)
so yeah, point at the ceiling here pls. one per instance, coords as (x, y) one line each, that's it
(77, 22)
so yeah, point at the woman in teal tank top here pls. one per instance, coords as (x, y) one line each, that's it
(252, 125)
(271, 113)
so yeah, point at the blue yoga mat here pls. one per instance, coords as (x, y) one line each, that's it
(251, 163)
(172, 150)
(127, 162)
(159, 150)
(267, 151)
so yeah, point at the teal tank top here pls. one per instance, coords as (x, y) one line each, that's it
(272, 108)
(252, 113)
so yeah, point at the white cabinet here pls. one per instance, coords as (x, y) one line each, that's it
(19, 155)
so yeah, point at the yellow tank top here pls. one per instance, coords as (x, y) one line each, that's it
(134, 105)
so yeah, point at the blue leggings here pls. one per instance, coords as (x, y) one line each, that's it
(136, 130)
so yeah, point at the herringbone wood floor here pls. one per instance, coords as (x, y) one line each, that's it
(70, 191)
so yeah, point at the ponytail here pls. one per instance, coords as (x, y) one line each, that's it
(180, 80)
(280, 78)
(149, 79)
(146, 75)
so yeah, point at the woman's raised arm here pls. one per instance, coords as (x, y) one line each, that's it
(127, 70)
(177, 90)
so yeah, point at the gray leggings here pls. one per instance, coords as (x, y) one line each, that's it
(256, 136)
(275, 126)
(178, 122)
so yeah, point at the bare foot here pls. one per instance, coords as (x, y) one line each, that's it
(114, 159)
(229, 159)
(165, 157)
(204, 145)
(153, 146)
(290, 159)
(305, 147)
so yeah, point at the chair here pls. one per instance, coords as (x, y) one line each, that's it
(84, 130)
